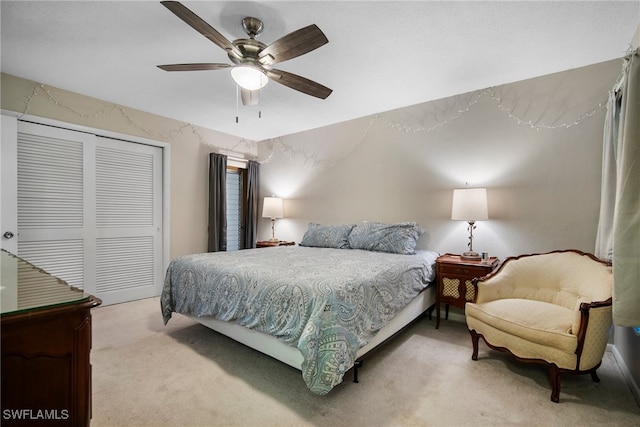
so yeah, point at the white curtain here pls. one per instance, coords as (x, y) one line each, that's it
(604, 237)
(619, 227)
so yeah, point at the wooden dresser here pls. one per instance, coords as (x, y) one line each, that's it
(46, 345)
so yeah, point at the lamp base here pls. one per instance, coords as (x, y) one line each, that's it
(471, 255)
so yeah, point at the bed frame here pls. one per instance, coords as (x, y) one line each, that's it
(269, 345)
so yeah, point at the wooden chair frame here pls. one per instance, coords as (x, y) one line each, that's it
(555, 373)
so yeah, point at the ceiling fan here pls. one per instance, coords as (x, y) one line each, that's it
(253, 60)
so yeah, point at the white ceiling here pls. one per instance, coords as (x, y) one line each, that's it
(380, 56)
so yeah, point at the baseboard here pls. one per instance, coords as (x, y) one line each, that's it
(635, 390)
(455, 314)
(457, 317)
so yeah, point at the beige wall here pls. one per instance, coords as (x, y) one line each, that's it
(189, 147)
(543, 184)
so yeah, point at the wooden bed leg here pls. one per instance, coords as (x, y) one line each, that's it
(356, 365)
(430, 311)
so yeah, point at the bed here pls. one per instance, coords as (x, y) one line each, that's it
(319, 308)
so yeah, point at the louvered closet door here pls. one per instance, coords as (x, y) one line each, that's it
(128, 220)
(90, 211)
(53, 219)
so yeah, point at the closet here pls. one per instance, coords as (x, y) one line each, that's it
(89, 209)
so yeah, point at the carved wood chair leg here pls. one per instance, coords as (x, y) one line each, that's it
(474, 340)
(594, 376)
(556, 375)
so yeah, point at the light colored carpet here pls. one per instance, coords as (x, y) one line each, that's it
(183, 374)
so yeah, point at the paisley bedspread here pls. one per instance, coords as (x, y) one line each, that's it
(326, 302)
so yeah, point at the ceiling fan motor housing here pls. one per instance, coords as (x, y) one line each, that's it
(252, 26)
(249, 50)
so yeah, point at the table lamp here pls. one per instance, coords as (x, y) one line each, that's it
(272, 208)
(470, 204)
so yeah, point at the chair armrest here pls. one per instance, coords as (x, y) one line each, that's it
(493, 286)
(594, 324)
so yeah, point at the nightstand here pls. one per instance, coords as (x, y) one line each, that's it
(268, 244)
(454, 276)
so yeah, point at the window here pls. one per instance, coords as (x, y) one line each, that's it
(236, 189)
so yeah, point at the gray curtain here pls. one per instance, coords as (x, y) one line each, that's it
(217, 202)
(251, 218)
(618, 235)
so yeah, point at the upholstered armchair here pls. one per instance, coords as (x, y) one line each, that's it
(553, 309)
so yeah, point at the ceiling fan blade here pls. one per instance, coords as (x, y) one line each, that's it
(299, 83)
(293, 44)
(200, 25)
(193, 67)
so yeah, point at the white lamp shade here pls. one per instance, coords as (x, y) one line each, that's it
(249, 77)
(272, 207)
(469, 204)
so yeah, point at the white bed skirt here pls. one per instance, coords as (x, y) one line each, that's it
(291, 355)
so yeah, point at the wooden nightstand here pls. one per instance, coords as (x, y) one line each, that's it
(268, 244)
(454, 280)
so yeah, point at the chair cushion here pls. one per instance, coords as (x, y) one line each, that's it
(536, 321)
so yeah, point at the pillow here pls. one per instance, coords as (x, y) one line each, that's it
(398, 238)
(327, 236)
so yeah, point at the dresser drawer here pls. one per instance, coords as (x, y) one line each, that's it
(450, 270)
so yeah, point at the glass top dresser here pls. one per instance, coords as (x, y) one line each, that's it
(46, 345)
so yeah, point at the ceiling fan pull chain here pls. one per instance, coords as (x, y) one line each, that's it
(237, 101)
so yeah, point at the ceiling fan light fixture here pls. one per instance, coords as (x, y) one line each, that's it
(249, 77)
